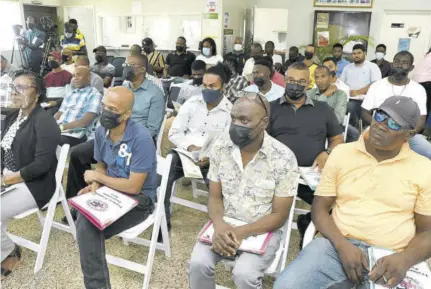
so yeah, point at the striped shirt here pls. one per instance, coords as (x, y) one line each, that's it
(75, 43)
(155, 58)
(235, 85)
(77, 103)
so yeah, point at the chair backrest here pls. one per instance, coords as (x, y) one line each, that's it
(160, 136)
(61, 152)
(118, 64)
(110, 58)
(346, 125)
(163, 168)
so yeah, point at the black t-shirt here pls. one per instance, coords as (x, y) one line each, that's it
(241, 58)
(180, 65)
(305, 130)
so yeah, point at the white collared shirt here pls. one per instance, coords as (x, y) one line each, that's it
(274, 93)
(194, 123)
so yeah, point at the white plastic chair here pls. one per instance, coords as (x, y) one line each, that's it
(196, 192)
(48, 221)
(158, 220)
(309, 235)
(279, 262)
(160, 135)
(346, 125)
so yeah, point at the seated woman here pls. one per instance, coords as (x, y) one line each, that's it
(28, 160)
(209, 54)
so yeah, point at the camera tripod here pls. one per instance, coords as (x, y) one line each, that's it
(22, 55)
(49, 44)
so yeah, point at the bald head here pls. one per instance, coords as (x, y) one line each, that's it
(120, 98)
(259, 105)
(82, 76)
(82, 60)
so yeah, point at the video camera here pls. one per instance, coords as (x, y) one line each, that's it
(48, 26)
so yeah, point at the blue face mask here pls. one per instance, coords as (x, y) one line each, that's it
(211, 96)
(206, 51)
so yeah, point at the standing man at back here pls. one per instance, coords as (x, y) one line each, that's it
(155, 58)
(239, 54)
(359, 76)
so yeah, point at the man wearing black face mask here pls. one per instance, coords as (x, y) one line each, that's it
(179, 62)
(200, 117)
(294, 56)
(399, 84)
(304, 126)
(126, 162)
(102, 67)
(246, 163)
(256, 53)
(55, 83)
(262, 74)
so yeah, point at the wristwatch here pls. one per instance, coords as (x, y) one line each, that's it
(328, 151)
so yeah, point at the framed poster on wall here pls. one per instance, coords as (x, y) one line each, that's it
(344, 3)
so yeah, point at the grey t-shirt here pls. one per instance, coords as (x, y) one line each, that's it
(103, 70)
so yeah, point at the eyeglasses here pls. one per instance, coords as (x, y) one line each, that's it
(126, 64)
(380, 117)
(252, 96)
(299, 82)
(19, 88)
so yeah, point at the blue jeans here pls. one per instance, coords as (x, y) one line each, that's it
(420, 145)
(318, 267)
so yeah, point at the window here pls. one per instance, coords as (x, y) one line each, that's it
(10, 14)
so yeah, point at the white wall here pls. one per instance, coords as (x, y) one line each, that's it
(301, 15)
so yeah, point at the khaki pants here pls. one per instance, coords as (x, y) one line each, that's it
(166, 143)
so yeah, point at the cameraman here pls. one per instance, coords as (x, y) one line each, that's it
(75, 42)
(32, 41)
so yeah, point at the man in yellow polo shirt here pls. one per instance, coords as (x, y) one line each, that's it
(379, 191)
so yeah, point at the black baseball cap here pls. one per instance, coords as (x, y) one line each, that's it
(402, 109)
(100, 48)
(147, 41)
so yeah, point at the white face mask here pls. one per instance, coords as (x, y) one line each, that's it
(68, 35)
(237, 47)
(380, 55)
(206, 51)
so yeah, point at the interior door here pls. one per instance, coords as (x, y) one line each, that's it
(403, 30)
(86, 23)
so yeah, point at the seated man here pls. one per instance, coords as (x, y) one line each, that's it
(126, 162)
(79, 108)
(255, 53)
(198, 118)
(331, 63)
(399, 83)
(149, 106)
(378, 197)
(148, 109)
(262, 73)
(253, 179)
(102, 67)
(179, 62)
(304, 126)
(359, 76)
(335, 98)
(55, 82)
(237, 82)
(95, 80)
(310, 62)
(67, 60)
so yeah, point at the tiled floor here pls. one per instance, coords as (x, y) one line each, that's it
(61, 268)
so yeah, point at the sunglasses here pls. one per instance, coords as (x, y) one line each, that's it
(252, 96)
(380, 117)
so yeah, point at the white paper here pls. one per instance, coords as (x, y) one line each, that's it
(250, 244)
(56, 92)
(105, 205)
(311, 176)
(190, 168)
(78, 134)
(418, 277)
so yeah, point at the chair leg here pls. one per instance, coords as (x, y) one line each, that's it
(194, 189)
(165, 235)
(45, 236)
(41, 217)
(68, 216)
(173, 194)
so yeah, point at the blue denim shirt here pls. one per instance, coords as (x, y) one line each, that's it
(134, 152)
(149, 106)
(340, 65)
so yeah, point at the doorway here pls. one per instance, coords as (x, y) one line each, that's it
(85, 17)
(406, 30)
(39, 12)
